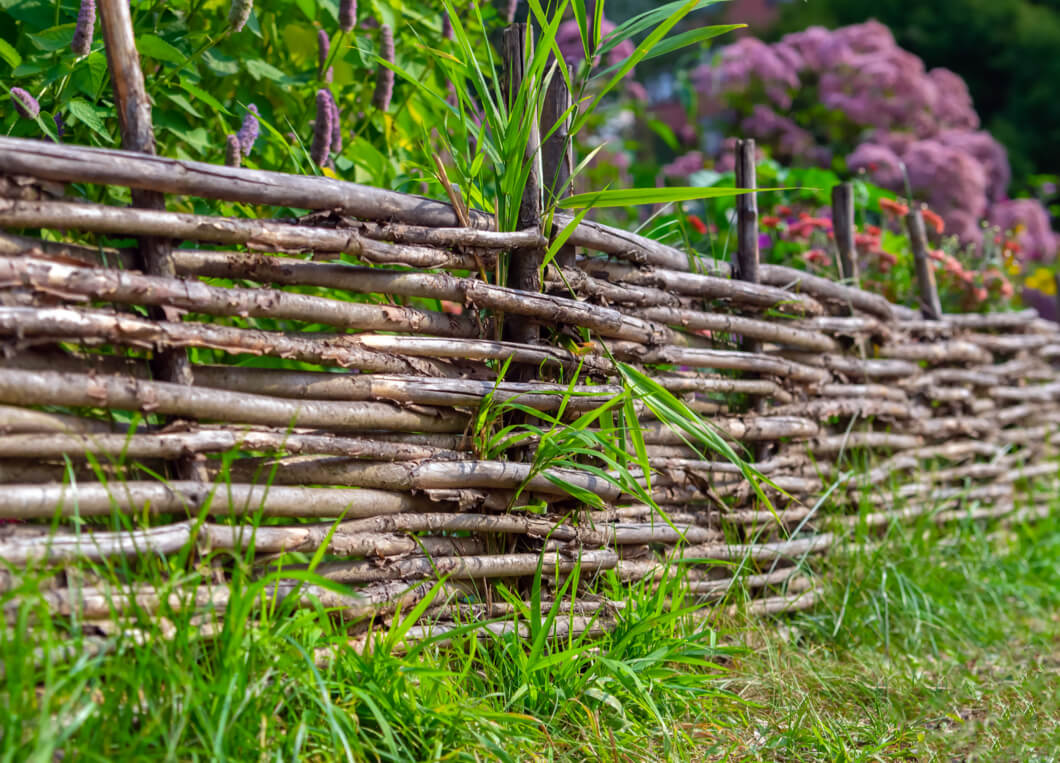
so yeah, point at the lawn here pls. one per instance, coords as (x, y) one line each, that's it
(926, 646)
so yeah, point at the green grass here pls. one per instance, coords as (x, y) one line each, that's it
(919, 651)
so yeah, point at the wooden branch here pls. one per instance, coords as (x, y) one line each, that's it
(524, 266)
(13, 419)
(468, 567)
(264, 235)
(133, 498)
(706, 287)
(448, 238)
(722, 359)
(930, 307)
(65, 163)
(432, 475)
(171, 539)
(132, 289)
(128, 331)
(745, 256)
(418, 390)
(50, 388)
(557, 150)
(828, 291)
(172, 445)
(544, 308)
(843, 226)
(137, 133)
(749, 328)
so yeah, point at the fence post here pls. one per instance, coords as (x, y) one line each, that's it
(843, 227)
(745, 262)
(524, 264)
(137, 134)
(930, 307)
(557, 151)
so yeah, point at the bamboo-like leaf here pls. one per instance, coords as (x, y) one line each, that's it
(628, 197)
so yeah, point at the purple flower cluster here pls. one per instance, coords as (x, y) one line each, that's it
(239, 14)
(323, 50)
(347, 15)
(25, 104)
(384, 82)
(86, 25)
(323, 129)
(248, 131)
(683, 166)
(569, 40)
(895, 120)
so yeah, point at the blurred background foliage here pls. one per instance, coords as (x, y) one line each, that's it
(887, 107)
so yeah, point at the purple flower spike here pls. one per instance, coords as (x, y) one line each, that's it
(323, 50)
(323, 129)
(447, 27)
(248, 132)
(238, 14)
(60, 128)
(86, 24)
(233, 156)
(25, 104)
(384, 82)
(336, 126)
(347, 15)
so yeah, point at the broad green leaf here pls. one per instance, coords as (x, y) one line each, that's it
(155, 47)
(88, 77)
(629, 197)
(28, 69)
(183, 103)
(9, 54)
(87, 114)
(56, 38)
(259, 69)
(192, 89)
(219, 63)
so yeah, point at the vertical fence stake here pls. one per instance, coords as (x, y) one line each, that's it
(524, 264)
(137, 134)
(843, 227)
(745, 264)
(557, 151)
(930, 307)
(745, 258)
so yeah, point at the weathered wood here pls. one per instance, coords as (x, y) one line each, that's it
(927, 290)
(260, 234)
(129, 288)
(843, 227)
(745, 257)
(328, 350)
(51, 388)
(557, 150)
(524, 265)
(137, 134)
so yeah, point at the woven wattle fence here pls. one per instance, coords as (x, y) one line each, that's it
(859, 412)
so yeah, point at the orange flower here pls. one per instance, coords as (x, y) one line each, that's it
(895, 208)
(934, 220)
(698, 224)
(452, 308)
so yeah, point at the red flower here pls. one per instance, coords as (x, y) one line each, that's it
(783, 210)
(770, 221)
(452, 308)
(933, 220)
(698, 224)
(873, 230)
(893, 207)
